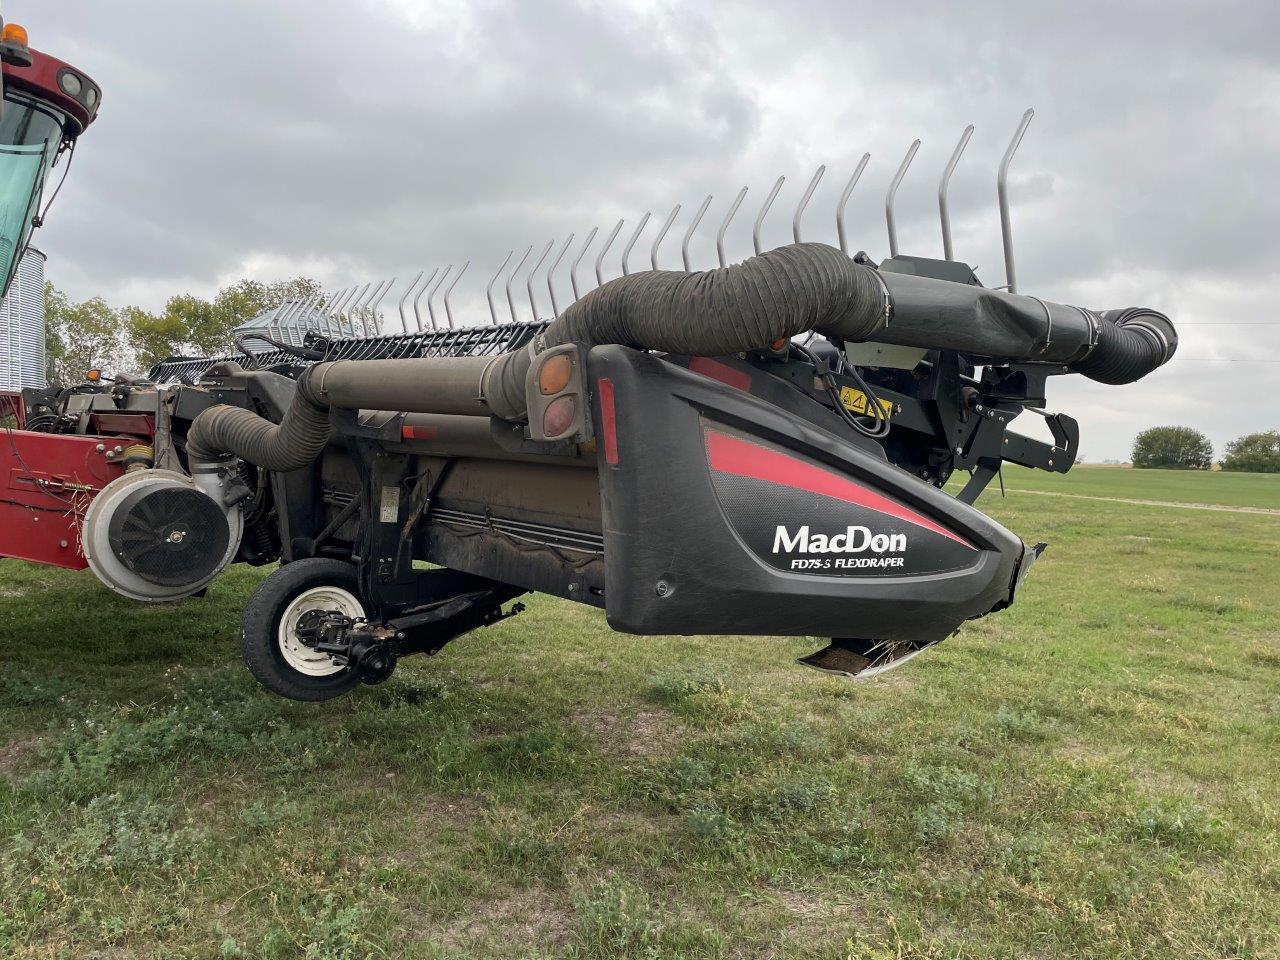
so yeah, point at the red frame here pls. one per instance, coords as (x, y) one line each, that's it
(47, 481)
(41, 80)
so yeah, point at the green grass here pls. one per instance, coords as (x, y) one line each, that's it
(1090, 773)
(1175, 486)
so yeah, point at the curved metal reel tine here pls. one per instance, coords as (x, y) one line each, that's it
(417, 316)
(312, 306)
(948, 252)
(431, 307)
(326, 314)
(626, 251)
(768, 202)
(688, 234)
(448, 310)
(488, 290)
(844, 198)
(353, 309)
(404, 323)
(603, 250)
(892, 195)
(551, 287)
(511, 303)
(733, 208)
(528, 284)
(671, 217)
(377, 322)
(335, 312)
(367, 315)
(573, 269)
(357, 311)
(1002, 192)
(804, 201)
(280, 318)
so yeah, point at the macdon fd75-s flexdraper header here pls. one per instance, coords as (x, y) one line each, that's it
(758, 448)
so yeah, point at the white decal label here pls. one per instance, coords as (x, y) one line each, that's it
(818, 548)
(389, 512)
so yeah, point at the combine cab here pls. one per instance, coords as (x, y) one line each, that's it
(47, 105)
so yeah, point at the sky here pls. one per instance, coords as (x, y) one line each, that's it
(367, 139)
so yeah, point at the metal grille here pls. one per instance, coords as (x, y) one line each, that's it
(469, 342)
(169, 536)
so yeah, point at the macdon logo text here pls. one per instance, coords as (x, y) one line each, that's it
(853, 540)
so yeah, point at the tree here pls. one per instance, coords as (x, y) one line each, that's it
(1172, 447)
(190, 325)
(129, 341)
(81, 336)
(1254, 452)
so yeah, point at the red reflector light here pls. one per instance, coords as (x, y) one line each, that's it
(721, 371)
(558, 417)
(608, 421)
(418, 433)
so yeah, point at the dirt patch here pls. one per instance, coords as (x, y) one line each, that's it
(13, 753)
(814, 916)
(1086, 754)
(8, 591)
(639, 733)
(461, 807)
(628, 823)
(535, 916)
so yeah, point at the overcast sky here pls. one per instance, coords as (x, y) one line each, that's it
(358, 140)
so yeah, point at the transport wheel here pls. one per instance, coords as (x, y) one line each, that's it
(269, 639)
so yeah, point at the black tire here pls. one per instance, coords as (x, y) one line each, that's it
(259, 643)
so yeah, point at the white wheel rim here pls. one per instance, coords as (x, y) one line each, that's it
(297, 654)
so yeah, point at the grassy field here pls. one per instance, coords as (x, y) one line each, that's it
(1259, 490)
(1091, 773)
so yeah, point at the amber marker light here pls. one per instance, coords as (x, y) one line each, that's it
(13, 33)
(554, 375)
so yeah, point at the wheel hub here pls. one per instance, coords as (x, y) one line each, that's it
(349, 643)
(302, 627)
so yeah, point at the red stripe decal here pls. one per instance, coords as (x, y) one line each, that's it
(743, 459)
(720, 371)
(608, 420)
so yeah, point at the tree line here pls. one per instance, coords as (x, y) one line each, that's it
(92, 334)
(1188, 449)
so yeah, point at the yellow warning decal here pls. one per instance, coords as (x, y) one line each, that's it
(855, 401)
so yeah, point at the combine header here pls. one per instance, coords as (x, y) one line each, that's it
(758, 448)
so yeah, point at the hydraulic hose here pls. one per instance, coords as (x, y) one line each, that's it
(289, 445)
(1117, 346)
(767, 298)
(751, 305)
(1131, 343)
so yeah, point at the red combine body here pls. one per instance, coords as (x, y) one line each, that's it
(47, 479)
